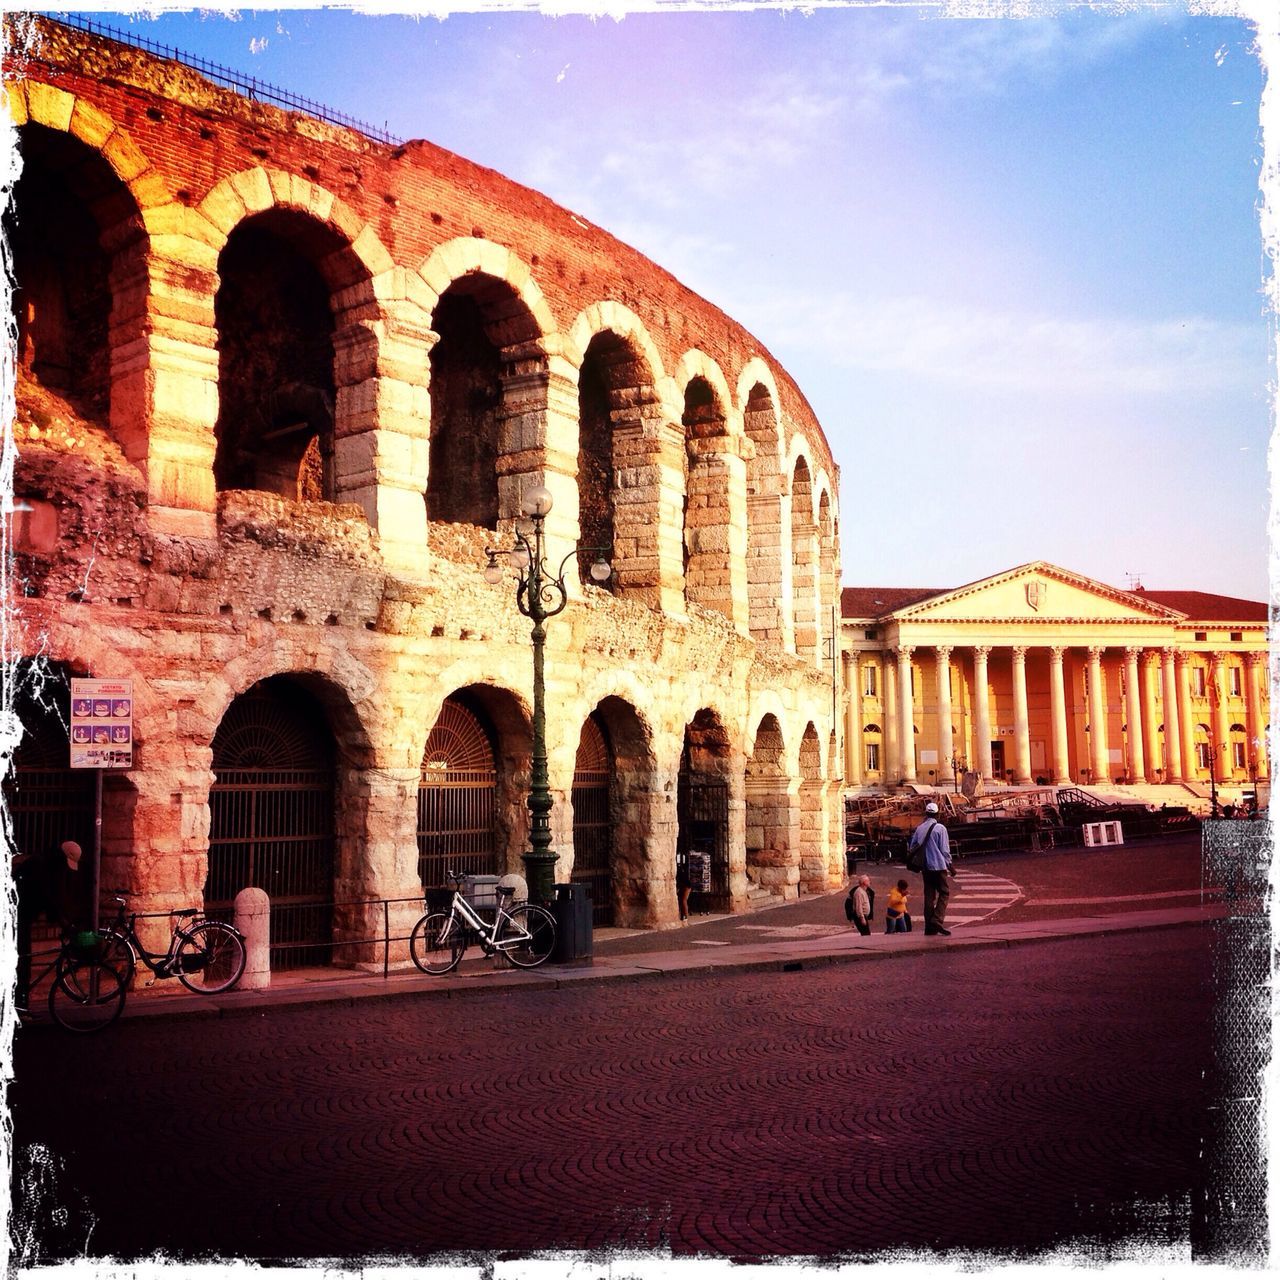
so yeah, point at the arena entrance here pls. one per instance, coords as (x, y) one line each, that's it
(271, 817)
(702, 810)
(592, 821)
(457, 796)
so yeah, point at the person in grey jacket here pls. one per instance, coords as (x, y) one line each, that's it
(932, 836)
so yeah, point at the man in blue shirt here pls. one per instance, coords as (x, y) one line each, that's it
(932, 836)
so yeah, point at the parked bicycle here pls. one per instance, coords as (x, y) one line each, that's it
(87, 993)
(524, 933)
(206, 956)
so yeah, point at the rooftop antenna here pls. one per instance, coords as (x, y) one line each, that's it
(1134, 579)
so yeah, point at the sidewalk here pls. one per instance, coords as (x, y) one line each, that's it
(318, 987)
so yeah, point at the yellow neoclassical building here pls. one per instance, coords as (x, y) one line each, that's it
(1042, 675)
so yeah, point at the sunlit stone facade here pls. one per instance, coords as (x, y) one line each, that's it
(1041, 675)
(279, 386)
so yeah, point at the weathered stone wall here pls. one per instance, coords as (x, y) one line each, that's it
(145, 555)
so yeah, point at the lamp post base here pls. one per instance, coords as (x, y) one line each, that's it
(540, 875)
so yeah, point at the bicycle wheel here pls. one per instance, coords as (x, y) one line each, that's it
(528, 935)
(87, 994)
(118, 952)
(437, 943)
(210, 958)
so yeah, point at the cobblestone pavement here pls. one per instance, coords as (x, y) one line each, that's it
(1010, 1099)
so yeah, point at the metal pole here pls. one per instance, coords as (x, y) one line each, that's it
(540, 861)
(97, 850)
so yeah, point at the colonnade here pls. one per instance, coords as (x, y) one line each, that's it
(1159, 711)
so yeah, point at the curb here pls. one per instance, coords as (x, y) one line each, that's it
(788, 957)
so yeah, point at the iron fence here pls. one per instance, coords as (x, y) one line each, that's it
(250, 86)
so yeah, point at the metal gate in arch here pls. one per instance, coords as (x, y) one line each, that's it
(592, 823)
(702, 807)
(271, 818)
(456, 798)
(46, 800)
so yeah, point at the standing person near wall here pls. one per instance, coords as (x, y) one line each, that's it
(932, 839)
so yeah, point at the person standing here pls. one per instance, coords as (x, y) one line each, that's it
(931, 836)
(864, 905)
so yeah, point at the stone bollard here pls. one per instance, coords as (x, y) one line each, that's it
(253, 919)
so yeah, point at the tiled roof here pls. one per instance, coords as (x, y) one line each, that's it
(1200, 606)
(874, 602)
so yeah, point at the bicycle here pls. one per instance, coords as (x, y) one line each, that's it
(525, 934)
(88, 993)
(206, 956)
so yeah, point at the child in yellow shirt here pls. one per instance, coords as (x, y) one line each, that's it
(895, 914)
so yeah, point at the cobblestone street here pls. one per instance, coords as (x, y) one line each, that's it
(1022, 1099)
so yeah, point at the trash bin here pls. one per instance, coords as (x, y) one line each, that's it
(572, 911)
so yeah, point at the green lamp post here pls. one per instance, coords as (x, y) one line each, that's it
(540, 594)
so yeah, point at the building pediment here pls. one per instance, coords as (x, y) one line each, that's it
(1038, 592)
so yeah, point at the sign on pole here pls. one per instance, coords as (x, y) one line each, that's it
(101, 724)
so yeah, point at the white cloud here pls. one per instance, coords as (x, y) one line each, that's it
(1007, 350)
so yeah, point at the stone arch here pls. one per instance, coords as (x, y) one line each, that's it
(294, 292)
(771, 824)
(714, 492)
(813, 859)
(804, 559)
(506, 720)
(619, 446)
(768, 542)
(614, 856)
(275, 814)
(828, 621)
(489, 383)
(704, 803)
(80, 246)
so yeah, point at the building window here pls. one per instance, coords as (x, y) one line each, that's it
(870, 635)
(1237, 755)
(1202, 635)
(1234, 680)
(869, 679)
(1237, 636)
(1197, 681)
(873, 756)
(1202, 756)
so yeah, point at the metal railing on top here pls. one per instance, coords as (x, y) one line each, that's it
(250, 86)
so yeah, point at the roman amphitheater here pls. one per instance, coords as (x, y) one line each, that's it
(280, 385)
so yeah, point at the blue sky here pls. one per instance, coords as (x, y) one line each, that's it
(1015, 265)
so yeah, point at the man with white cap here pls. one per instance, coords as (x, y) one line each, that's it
(931, 836)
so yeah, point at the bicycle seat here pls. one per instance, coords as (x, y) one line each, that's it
(505, 890)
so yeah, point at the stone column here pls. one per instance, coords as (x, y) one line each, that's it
(1058, 714)
(891, 763)
(852, 720)
(1133, 715)
(906, 717)
(1174, 767)
(382, 426)
(1255, 665)
(946, 748)
(1150, 723)
(1186, 720)
(1221, 721)
(1098, 762)
(981, 711)
(1021, 722)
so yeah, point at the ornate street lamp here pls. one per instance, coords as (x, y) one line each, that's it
(540, 594)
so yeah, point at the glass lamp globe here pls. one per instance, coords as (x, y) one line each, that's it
(518, 558)
(493, 572)
(536, 501)
(600, 571)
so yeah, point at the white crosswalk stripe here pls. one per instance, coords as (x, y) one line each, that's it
(975, 895)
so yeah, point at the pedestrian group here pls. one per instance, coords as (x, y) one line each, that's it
(929, 852)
